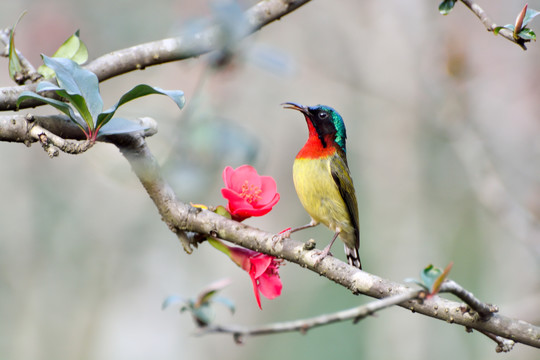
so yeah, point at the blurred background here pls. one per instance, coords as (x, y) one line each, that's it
(443, 145)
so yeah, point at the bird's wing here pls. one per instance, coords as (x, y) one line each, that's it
(342, 177)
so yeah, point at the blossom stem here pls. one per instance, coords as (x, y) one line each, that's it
(219, 245)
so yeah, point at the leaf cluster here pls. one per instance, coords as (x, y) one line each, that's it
(201, 307)
(431, 278)
(79, 88)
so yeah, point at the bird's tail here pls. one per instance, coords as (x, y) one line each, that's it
(353, 257)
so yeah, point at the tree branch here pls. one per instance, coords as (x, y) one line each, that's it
(54, 132)
(158, 52)
(303, 325)
(181, 217)
(485, 310)
(184, 219)
(29, 73)
(490, 25)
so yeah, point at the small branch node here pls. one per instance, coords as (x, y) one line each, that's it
(483, 309)
(310, 244)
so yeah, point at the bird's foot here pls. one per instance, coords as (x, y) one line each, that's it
(322, 254)
(284, 234)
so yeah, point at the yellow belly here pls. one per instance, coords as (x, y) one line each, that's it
(320, 196)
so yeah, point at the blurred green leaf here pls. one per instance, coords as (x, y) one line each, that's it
(429, 275)
(172, 300)
(527, 34)
(204, 314)
(227, 302)
(446, 6)
(417, 282)
(201, 309)
(138, 91)
(73, 48)
(507, 26)
(15, 66)
(529, 15)
(433, 277)
(207, 293)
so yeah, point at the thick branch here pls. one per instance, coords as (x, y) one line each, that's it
(181, 217)
(158, 52)
(54, 132)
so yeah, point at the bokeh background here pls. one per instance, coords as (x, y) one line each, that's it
(443, 145)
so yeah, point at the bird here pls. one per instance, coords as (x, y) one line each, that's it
(323, 181)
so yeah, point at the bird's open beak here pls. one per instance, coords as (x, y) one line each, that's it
(294, 106)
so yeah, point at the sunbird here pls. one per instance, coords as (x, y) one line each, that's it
(323, 181)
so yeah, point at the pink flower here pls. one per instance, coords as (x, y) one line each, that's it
(248, 193)
(262, 269)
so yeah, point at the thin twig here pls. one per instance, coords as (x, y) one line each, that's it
(29, 73)
(490, 25)
(303, 325)
(503, 344)
(480, 307)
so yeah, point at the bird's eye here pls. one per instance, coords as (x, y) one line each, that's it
(323, 115)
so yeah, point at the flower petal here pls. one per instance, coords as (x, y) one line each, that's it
(268, 188)
(259, 264)
(270, 285)
(242, 257)
(256, 290)
(227, 172)
(243, 174)
(235, 200)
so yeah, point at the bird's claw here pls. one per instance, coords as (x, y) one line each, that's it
(321, 254)
(284, 234)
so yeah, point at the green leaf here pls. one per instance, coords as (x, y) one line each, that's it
(78, 81)
(62, 106)
(120, 126)
(529, 15)
(446, 6)
(429, 275)
(227, 302)
(172, 300)
(507, 26)
(433, 277)
(73, 48)
(15, 66)
(206, 294)
(77, 101)
(221, 210)
(138, 91)
(527, 34)
(204, 314)
(219, 245)
(417, 282)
